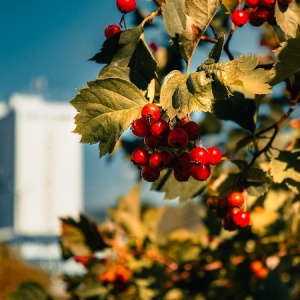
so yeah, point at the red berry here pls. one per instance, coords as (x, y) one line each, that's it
(199, 155)
(255, 20)
(242, 219)
(232, 212)
(192, 129)
(169, 158)
(252, 3)
(239, 17)
(140, 156)
(181, 175)
(153, 141)
(200, 172)
(140, 127)
(267, 2)
(126, 6)
(160, 128)
(150, 112)
(157, 161)
(178, 138)
(284, 2)
(149, 174)
(110, 30)
(236, 199)
(214, 155)
(229, 225)
(183, 161)
(222, 208)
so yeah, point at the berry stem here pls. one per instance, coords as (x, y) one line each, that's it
(226, 45)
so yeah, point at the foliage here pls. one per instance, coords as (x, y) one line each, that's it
(184, 253)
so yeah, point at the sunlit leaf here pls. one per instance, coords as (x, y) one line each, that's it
(106, 108)
(288, 18)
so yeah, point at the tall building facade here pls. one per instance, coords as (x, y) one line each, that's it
(40, 165)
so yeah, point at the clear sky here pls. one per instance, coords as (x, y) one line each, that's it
(52, 40)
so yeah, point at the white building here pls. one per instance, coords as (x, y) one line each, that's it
(40, 165)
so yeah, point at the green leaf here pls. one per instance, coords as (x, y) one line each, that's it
(250, 77)
(202, 12)
(237, 109)
(288, 61)
(285, 168)
(288, 18)
(217, 49)
(182, 94)
(257, 182)
(186, 21)
(182, 31)
(29, 290)
(106, 109)
(119, 48)
(230, 5)
(128, 49)
(125, 73)
(173, 189)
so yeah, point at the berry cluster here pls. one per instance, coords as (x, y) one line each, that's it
(167, 147)
(231, 210)
(124, 6)
(257, 12)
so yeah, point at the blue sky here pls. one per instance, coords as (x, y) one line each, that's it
(53, 40)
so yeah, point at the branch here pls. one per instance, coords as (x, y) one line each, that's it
(276, 127)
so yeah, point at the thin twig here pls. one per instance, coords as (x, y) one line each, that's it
(214, 32)
(226, 45)
(276, 127)
(208, 39)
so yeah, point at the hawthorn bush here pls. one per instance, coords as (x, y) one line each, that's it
(237, 159)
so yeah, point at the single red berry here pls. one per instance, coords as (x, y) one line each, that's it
(181, 175)
(267, 2)
(222, 208)
(229, 225)
(157, 161)
(263, 13)
(126, 6)
(199, 155)
(284, 2)
(149, 174)
(183, 161)
(111, 30)
(255, 20)
(242, 218)
(192, 129)
(140, 156)
(153, 141)
(239, 17)
(150, 112)
(178, 138)
(140, 127)
(200, 172)
(252, 3)
(214, 155)
(236, 199)
(170, 157)
(160, 128)
(232, 212)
